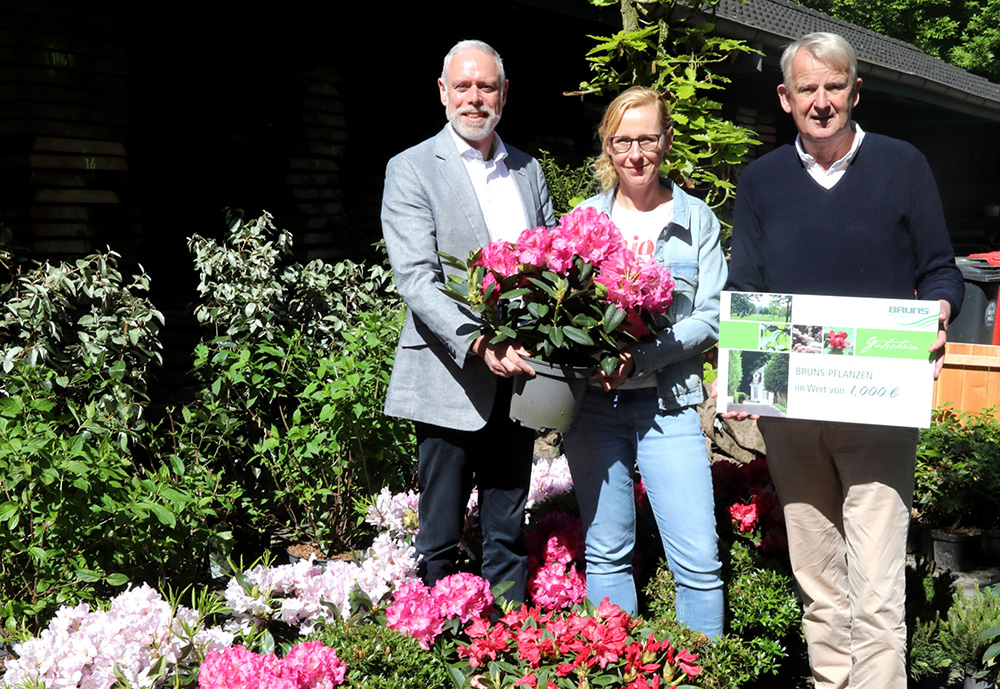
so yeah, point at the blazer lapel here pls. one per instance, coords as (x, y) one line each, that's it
(455, 176)
(520, 178)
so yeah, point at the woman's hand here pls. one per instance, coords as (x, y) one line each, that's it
(739, 416)
(625, 366)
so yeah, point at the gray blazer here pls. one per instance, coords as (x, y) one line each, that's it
(429, 205)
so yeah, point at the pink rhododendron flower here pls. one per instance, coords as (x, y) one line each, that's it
(421, 612)
(309, 665)
(744, 516)
(500, 258)
(533, 246)
(590, 234)
(634, 283)
(463, 596)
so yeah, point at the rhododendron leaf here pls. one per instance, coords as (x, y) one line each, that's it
(584, 321)
(515, 293)
(609, 364)
(586, 271)
(265, 642)
(577, 335)
(537, 309)
(556, 337)
(452, 261)
(458, 291)
(507, 332)
(544, 286)
(118, 579)
(613, 317)
(457, 676)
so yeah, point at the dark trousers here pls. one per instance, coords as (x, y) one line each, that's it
(497, 460)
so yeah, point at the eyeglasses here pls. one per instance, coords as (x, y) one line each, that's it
(623, 144)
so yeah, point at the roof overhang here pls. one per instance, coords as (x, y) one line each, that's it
(887, 64)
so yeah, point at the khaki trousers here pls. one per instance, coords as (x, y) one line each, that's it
(846, 490)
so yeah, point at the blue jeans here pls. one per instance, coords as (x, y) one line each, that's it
(616, 430)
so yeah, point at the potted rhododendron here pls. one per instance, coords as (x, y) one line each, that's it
(571, 295)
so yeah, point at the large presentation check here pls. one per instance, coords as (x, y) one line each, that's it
(827, 358)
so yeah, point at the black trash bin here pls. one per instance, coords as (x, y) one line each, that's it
(976, 323)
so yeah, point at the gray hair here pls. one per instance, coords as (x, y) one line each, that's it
(482, 47)
(828, 48)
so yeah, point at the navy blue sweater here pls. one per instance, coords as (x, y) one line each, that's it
(879, 232)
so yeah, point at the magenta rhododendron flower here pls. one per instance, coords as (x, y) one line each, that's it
(635, 283)
(309, 665)
(462, 595)
(590, 234)
(533, 246)
(500, 258)
(744, 516)
(554, 548)
(421, 612)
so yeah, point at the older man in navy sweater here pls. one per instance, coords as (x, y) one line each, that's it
(843, 212)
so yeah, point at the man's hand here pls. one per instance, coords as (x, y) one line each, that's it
(938, 345)
(502, 359)
(739, 416)
(626, 364)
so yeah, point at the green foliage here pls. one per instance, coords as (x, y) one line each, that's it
(776, 374)
(776, 337)
(293, 384)
(990, 669)
(381, 658)
(742, 306)
(82, 509)
(763, 618)
(928, 596)
(962, 634)
(965, 33)
(735, 375)
(958, 470)
(669, 45)
(568, 185)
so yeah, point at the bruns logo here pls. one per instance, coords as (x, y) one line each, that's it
(916, 317)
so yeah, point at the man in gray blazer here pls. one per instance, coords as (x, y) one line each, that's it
(454, 193)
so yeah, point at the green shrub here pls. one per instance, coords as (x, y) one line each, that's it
(763, 617)
(82, 508)
(381, 658)
(967, 619)
(568, 185)
(293, 382)
(958, 471)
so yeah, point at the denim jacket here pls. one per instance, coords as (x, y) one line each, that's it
(689, 248)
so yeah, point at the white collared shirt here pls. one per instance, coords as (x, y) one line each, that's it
(495, 189)
(829, 177)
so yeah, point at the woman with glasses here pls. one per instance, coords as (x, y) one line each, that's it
(644, 413)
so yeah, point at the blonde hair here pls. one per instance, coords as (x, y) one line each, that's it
(633, 97)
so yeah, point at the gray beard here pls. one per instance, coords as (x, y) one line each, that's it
(472, 132)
